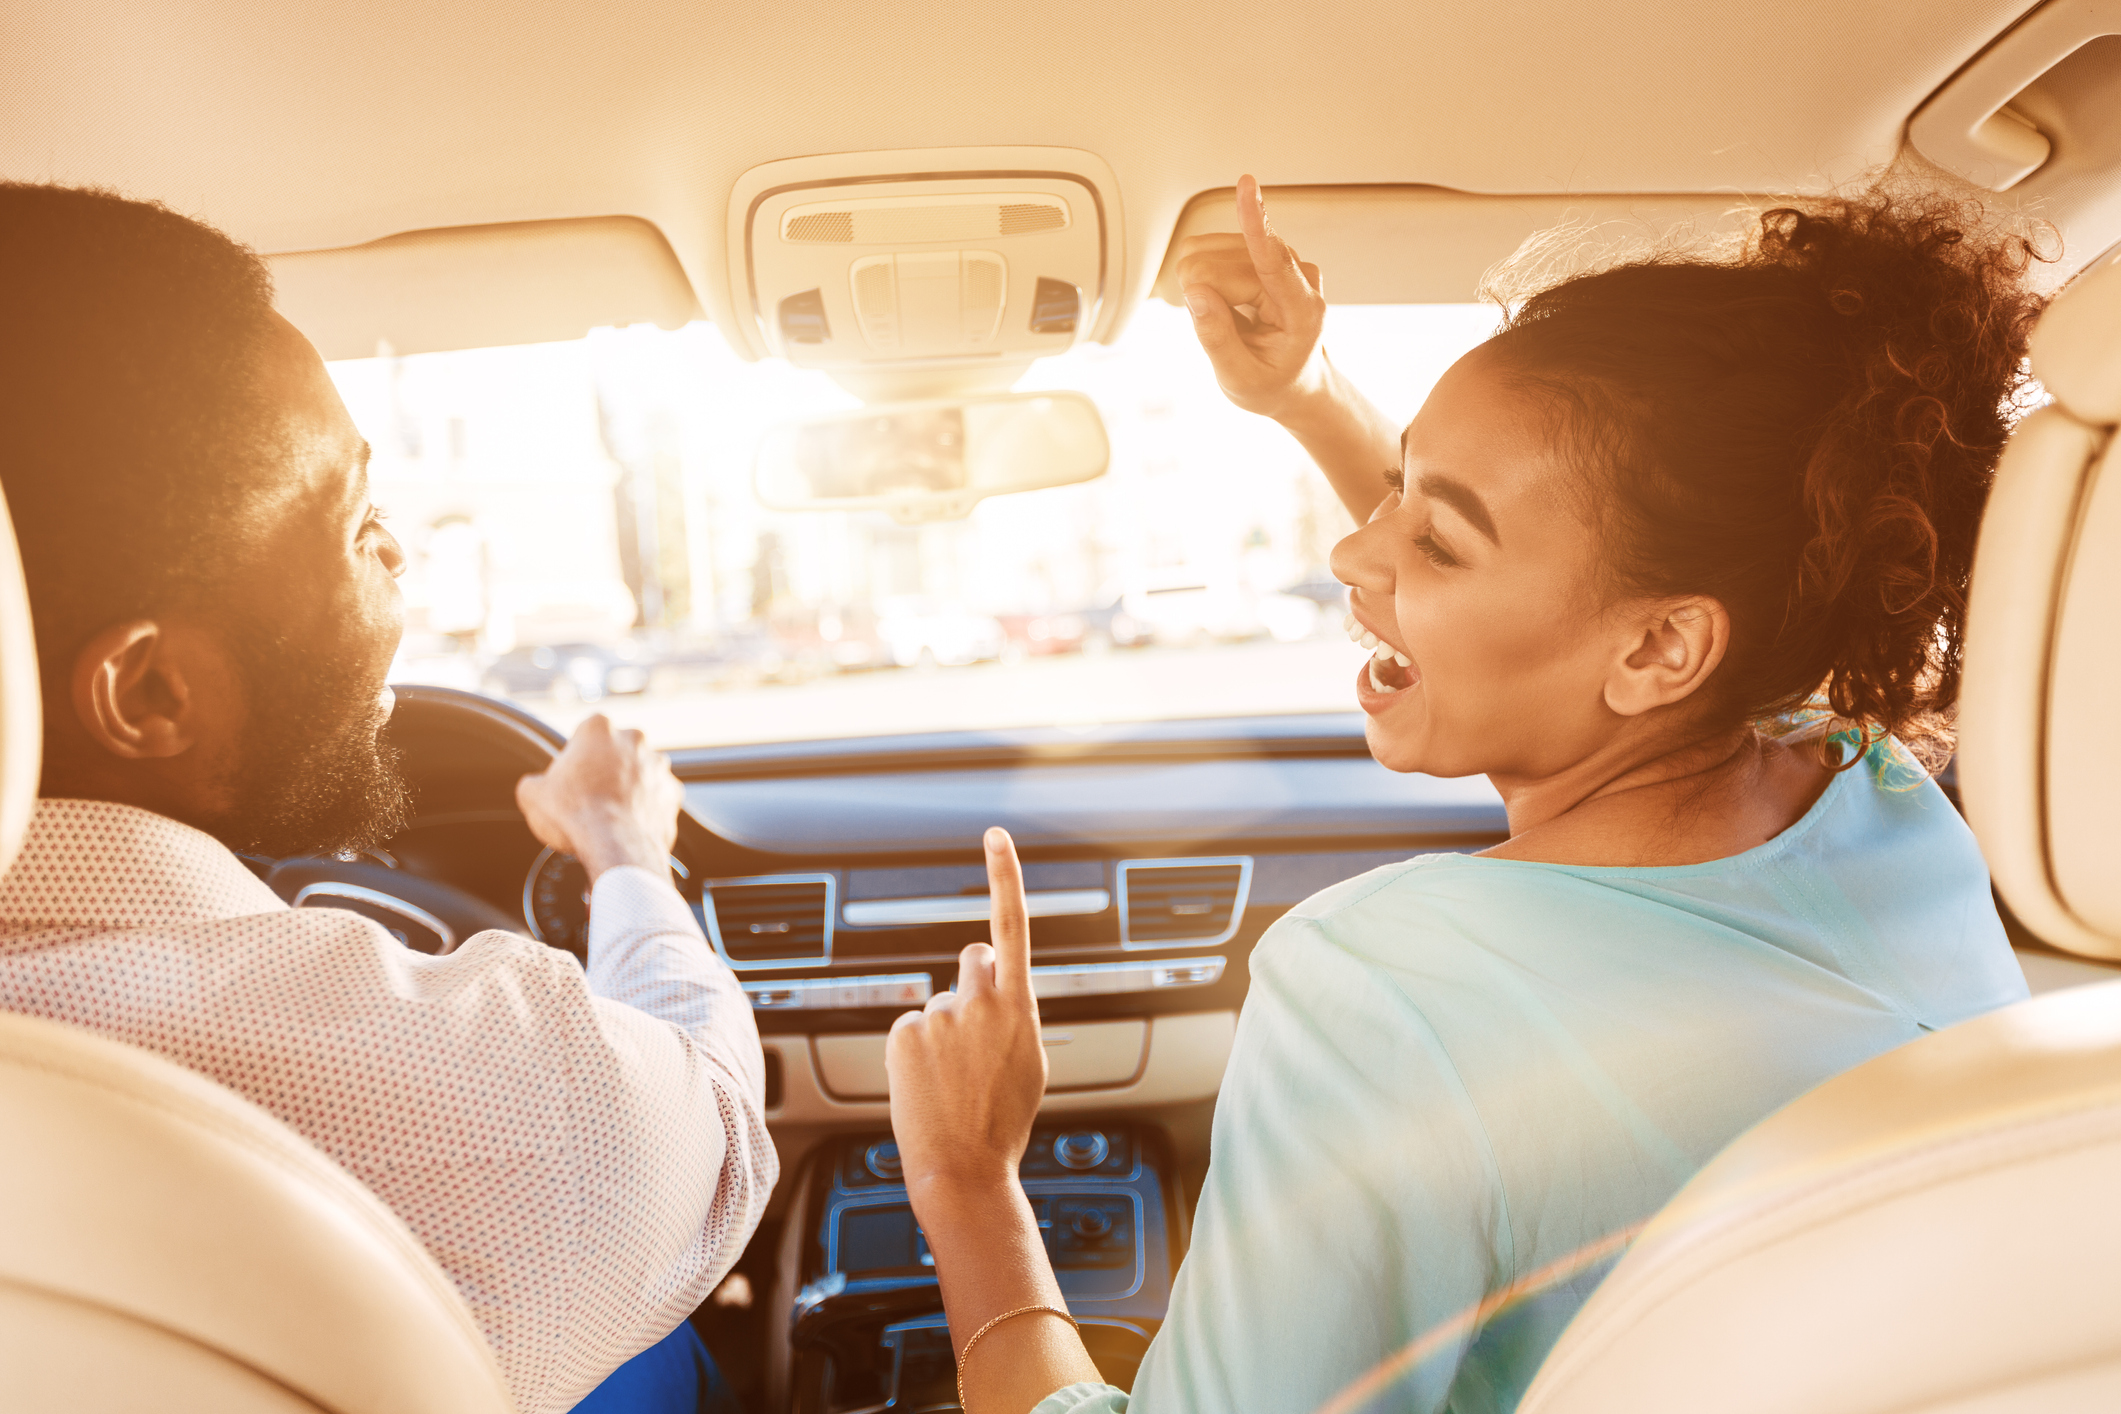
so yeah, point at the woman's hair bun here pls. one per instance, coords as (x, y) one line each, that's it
(1804, 428)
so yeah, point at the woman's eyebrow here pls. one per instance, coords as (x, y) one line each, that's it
(1463, 499)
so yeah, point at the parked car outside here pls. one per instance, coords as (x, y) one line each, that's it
(1322, 589)
(1182, 610)
(918, 633)
(571, 672)
(1042, 635)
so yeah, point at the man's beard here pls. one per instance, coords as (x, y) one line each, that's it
(317, 773)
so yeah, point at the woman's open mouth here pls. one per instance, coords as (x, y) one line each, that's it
(1389, 671)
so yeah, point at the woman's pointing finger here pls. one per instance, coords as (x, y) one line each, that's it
(1281, 275)
(1011, 921)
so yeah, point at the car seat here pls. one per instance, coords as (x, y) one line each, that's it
(1939, 1229)
(167, 1245)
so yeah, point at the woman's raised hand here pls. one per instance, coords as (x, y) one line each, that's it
(1268, 360)
(967, 1073)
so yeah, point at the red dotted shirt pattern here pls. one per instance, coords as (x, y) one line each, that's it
(586, 1156)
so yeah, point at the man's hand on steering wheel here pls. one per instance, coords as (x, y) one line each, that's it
(608, 799)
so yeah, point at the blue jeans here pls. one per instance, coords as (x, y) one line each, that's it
(676, 1375)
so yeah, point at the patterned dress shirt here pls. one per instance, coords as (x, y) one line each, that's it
(585, 1155)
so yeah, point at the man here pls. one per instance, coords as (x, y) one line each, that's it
(216, 610)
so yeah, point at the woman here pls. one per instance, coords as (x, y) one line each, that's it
(1624, 546)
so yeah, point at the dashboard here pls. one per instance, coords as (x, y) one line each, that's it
(1154, 858)
(841, 879)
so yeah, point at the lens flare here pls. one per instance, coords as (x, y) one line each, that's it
(1387, 1372)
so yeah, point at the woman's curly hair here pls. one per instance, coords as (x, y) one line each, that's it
(1804, 429)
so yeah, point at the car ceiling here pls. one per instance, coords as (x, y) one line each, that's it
(300, 125)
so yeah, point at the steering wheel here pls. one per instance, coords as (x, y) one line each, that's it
(465, 752)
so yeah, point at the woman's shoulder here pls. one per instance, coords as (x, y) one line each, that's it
(1446, 880)
(1420, 908)
(1884, 811)
(1392, 887)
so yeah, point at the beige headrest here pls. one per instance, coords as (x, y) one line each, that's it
(2076, 350)
(1924, 1232)
(192, 1252)
(2040, 713)
(21, 709)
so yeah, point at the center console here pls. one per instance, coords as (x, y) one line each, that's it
(868, 1330)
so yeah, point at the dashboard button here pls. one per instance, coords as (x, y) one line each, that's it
(896, 993)
(1091, 1223)
(905, 989)
(1083, 1149)
(881, 1159)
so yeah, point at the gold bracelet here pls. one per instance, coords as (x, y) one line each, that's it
(966, 1353)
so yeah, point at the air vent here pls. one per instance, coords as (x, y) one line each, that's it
(1189, 902)
(778, 920)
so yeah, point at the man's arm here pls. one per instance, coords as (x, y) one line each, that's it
(676, 1152)
(610, 800)
(646, 950)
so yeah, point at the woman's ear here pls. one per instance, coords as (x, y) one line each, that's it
(1680, 646)
(132, 694)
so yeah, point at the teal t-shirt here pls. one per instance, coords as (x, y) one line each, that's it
(1459, 1084)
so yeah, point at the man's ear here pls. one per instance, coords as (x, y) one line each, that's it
(132, 695)
(1679, 646)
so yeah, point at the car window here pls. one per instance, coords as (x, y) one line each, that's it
(583, 536)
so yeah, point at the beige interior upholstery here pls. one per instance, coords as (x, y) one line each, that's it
(1937, 1230)
(1425, 245)
(327, 127)
(1932, 1231)
(2040, 765)
(21, 711)
(165, 1244)
(523, 282)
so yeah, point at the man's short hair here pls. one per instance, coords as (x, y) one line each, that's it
(133, 425)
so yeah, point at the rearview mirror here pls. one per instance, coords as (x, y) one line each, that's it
(932, 460)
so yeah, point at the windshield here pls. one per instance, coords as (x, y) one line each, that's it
(583, 536)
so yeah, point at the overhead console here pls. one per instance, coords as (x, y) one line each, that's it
(923, 273)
